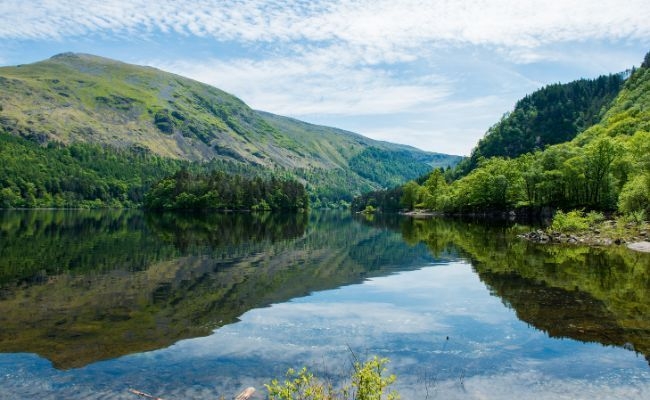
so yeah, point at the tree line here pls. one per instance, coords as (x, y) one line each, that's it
(218, 190)
(82, 175)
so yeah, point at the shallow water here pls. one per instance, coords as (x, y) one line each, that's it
(193, 307)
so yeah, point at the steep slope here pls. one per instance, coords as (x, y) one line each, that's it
(85, 99)
(606, 167)
(386, 164)
(78, 97)
(551, 115)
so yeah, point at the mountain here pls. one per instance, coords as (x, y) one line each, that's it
(553, 114)
(83, 99)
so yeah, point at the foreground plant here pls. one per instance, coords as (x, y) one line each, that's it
(368, 382)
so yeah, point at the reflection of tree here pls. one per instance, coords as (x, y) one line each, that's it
(556, 311)
(588, 294)
(190, 274)
(219, 230)
(38, 244)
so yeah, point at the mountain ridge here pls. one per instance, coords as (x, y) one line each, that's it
(80, 98)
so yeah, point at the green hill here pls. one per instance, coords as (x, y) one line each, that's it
(605, 167)
(551, 115)
(85, 100)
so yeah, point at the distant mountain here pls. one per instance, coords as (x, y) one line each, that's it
(551, 115)
(85, 99)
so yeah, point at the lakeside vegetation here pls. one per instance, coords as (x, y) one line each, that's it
(368, 381)
(604, 168)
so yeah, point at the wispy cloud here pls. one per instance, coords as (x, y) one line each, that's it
(315, 83)
(381, 24)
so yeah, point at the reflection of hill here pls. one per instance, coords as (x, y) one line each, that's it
(588, 294)
(559, 312)
(128, 284)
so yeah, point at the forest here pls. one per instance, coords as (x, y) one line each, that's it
(606, 167)
(85, 175)
(217, 190)
(79, 175)
(551, 115)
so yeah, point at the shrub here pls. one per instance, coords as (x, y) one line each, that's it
(595, 217)
(635, 217)
(635, 196)
(300, 385)
(368, 382)
(369, 209)
(571, 221)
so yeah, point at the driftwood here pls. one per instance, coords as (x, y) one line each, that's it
(245, 395)
(143, 394)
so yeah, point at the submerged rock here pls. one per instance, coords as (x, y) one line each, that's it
(640, 246)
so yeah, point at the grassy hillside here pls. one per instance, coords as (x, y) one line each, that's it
(87, 100)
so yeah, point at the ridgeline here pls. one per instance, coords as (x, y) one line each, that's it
(98, 132)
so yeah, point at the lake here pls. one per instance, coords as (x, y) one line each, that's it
(93, 303)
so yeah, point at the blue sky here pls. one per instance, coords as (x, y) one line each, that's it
(432, 74)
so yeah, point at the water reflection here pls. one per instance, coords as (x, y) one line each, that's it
(81, 286)
(428, 294)
(597, 295)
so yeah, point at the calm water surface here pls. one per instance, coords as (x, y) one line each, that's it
(194, 307)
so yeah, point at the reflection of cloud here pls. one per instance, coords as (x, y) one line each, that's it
(511, 386)
(439, 326)
(523, 385)
(421, 305)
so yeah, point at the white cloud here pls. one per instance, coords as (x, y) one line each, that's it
(383, 25)
(331, 80)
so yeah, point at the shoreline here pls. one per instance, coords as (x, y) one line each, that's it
(635, 240)
(607, 233)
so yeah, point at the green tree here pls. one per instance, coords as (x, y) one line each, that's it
(410, 196)
(435, 189)
(599, 156)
